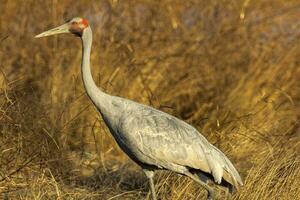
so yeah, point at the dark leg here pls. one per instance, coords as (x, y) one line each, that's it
(150, 175)
(211, 193)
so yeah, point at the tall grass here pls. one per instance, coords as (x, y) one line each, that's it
(229, 68)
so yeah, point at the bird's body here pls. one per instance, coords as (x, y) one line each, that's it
(152, 138)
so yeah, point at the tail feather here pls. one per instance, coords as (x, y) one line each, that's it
(222, 168)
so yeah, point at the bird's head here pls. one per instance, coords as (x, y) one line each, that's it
(75, 26)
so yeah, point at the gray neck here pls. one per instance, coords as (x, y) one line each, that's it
(97, 96)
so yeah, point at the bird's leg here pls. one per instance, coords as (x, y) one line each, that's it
(211, 193)
(150, 174)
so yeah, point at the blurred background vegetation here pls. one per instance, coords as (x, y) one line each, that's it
(230, 68)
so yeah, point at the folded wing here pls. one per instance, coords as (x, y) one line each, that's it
(164, 140)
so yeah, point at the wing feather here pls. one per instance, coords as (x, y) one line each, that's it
(161, 139)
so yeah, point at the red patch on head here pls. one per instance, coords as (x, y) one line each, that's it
(85, 22)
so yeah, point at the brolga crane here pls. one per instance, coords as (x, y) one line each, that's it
(153, 139)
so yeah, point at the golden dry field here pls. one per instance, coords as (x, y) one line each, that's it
(229, 68)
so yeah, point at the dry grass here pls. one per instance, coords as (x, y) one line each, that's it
(230, 68)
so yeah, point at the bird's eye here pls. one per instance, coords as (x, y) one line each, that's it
(74, 23)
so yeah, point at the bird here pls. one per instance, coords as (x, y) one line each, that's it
(153, 139)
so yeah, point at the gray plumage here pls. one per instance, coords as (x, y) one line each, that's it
(156, 139)
(152, 138)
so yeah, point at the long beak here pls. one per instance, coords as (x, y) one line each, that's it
(58, 30)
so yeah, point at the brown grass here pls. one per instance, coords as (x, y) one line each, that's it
(230, 68)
